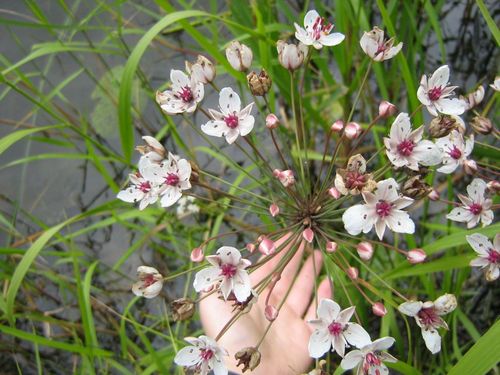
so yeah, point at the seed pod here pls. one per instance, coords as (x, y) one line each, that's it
(248, 357)
(259, 84)
(182, 309)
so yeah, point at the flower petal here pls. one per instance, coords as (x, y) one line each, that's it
(432, 339)
(171, 195)
(476, 190)
(130, 195)
(229, 101)
(309, 19)
(179, 79)
(319, 343)
(328, 310)
(400, 222)
(352, 359)
(214, 128)
(427, 153)
(453, 106)
(387, 190)
(445, 304)
(480, 243)
(356, 335)
(400, 128)
(358, 218)
(206, 278)
(440, 77)
(460, 214)
(383, 343)
(332, 39)
(188, 356)
(410, 308)
(245, 125)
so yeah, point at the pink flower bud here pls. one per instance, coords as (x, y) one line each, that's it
(331, 247)
(416, 256)
(386, 109)
(250, 247)
(277, 173)
(197, 255)
(334, 193)
(493, 187)
(470, 166)
(308, 235)
(353, 273)
(337, 126)
(274, 210)
(352, 130)
(270, 312)
(272, 121)
(379, 309)
(433, 195)
(267, 246)
(365, 250)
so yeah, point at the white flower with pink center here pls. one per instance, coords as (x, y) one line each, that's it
(374, 45)
(227, 271)
(141, 189)
(202, 356)
(184, 95)
(383, 208)
(152, 153)
(150, 282)
(434, 94)
(455, 151)
(428, 316)
(405, 148)
(370, 358)
(489, 254)
(475, 207)
(332, 329)
(172, 176)
(231, 121)
(317, 32)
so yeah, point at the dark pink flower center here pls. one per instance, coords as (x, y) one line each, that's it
(435, 93)
(186, 94)
(475, 208)
(321, 27)
(383, 208)
(206, 354)
(371, 359)
(455, 153)
(148, 281)
(335, 329)
(405, 148)
(493, 256)
(228, 270)
(428, 317)
(381, 48)
(145, 187)
(354, 180)
(172, 179)
(231, 121)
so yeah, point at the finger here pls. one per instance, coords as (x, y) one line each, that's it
(302, 289)
(324, 291)
(289, 273)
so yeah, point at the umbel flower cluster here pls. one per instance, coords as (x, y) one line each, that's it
(336, 205)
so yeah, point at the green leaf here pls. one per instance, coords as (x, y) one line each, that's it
(483, 355)
(12, 138)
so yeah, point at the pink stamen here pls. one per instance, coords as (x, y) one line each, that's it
(335, 329)
(428, 317)
(354, 180)
(475, 208)
(148, 281)
(435, 93)
(172, 179)
(231, 121)
(405, 148)
(383, 209)
(321, 27)
(145, 187)
(206, 354)
(186, 94)
(493, 256)
(455, 153)
(228, 270)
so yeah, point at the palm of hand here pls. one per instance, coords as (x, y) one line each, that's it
(284, 349)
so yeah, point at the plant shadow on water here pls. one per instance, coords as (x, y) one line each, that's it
(76, 166)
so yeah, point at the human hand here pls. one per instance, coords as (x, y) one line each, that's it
(284, 348)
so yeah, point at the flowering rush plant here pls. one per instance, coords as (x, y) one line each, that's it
(319, 196)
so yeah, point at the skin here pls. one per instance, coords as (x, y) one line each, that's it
(284, 349)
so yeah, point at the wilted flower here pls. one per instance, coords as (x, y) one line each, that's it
(383, 208)
(227, 270)
(374, 45)
(332, 329)
(489, 254)
(173, 177)
(354, 179)
(370, 357)
(434, 94)
(202, 356)
(291, 56)
(231, 121)
(259, 83)
(474, 98)
(184, 96)
(475, 207)
(443, 125)
(317, 32)
(249, 358)
(454, 151)
(140, 190)
(202, 70)
(150, 282)
(415, 187)
(428, 316)
(405, 148)
(182, 309)
(481, 125)
(496, 84)
(239, 56)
